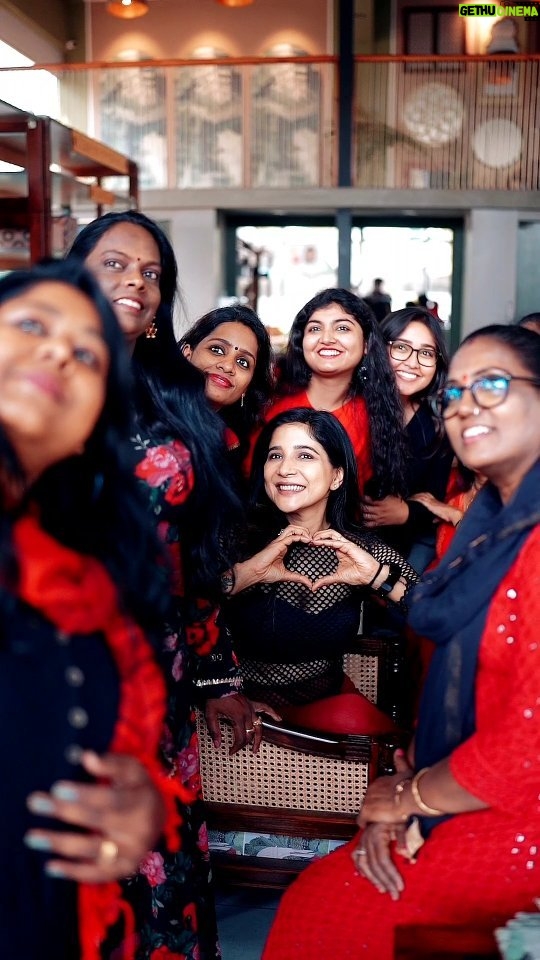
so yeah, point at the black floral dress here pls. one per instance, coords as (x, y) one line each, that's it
(172, 893)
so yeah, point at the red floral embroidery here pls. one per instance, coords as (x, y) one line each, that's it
(203, 636)
(168, 462)
(152, 867)
(163, 953)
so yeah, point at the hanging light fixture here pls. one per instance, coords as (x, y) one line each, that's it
(235, 3)
(127, 9)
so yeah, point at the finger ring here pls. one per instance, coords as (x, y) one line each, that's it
(257, 722)
(361, 852)
(108, 852)
(250, 729)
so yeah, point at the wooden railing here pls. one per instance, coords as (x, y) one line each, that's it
(460, 123)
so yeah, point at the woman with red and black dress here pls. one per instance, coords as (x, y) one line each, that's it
(82, 699)
(470, 783)
(181, 461)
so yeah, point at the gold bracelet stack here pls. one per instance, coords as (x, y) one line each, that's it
(429, 811)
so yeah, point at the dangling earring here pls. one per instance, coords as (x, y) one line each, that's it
(151, 330)
(362, 372)
(242, 400)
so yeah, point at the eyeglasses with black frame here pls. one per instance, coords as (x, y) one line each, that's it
(487, 392)
(400, 350)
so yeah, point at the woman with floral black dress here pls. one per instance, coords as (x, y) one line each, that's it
(180, 456)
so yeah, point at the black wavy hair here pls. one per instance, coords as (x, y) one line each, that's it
(372, 379)
(241, 418)
(343, 504)
(170, 403)
(91, 502)
(524, 343)
(528, 319)
(392, 328)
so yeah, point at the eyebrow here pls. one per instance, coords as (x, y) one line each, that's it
(430, 346)
(55, 312)
(240, 349)
(297, 446)
(487, 372)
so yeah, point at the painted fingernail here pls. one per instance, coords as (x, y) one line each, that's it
(40, 804)
(54, 870)
(37, 842)
(63, 792)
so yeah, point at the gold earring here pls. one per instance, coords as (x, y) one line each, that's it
(151, 330)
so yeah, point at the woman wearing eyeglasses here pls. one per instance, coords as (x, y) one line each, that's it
(419, 361)
(470, 783)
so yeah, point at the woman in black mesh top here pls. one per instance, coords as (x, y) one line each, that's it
(294, 603)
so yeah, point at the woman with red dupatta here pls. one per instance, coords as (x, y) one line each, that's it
(81, 699)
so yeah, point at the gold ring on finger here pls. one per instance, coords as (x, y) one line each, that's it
(250, 729)
(108, 852)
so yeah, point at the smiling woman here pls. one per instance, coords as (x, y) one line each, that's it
(127, 265)
(419, 361)
(75, 672)
(336, 361)
(308, 568)
(471, 779)
(179, 459)
(231, 347)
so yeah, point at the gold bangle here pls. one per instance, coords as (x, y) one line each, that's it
(430, 811)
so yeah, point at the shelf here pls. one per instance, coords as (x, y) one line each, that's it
(61, 174)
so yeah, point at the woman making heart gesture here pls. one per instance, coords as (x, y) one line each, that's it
(308, 568)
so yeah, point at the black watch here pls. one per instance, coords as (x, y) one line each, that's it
(394, 573)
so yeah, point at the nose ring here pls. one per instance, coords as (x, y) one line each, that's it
(476, 411)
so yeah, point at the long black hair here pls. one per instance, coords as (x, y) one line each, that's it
(524, 343)
(240, 417)
(372, 379)
(343, 504)
(91, 502)
(170, 403)
(392, 328)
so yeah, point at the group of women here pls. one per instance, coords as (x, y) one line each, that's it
(137, 556)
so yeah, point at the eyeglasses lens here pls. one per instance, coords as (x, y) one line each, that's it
(488, 392)
(402, 351)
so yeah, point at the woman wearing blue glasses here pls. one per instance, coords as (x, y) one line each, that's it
(419, 360)
(470, 783)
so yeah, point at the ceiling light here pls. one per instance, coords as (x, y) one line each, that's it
(127, 9)
(235, 3)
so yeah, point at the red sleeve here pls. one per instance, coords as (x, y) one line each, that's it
(500, 763)
(277, 405)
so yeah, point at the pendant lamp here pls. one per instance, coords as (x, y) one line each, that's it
(235, 3)
(127, 9)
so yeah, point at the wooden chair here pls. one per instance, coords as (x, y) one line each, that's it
(302, 783)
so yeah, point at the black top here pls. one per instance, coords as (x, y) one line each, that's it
(290, 640)
(58, 694)
(429, 459)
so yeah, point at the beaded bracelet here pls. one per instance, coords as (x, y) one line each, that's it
(430, 811)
